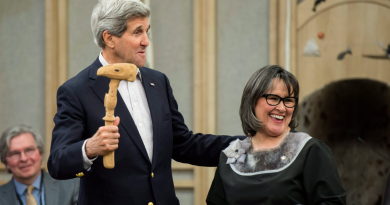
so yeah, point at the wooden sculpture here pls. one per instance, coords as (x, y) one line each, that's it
(116, 72)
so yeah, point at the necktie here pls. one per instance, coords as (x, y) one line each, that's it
(30, 199)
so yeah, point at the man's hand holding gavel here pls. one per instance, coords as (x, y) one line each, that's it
(106, 139)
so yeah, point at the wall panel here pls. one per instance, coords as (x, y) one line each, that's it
(82, 51)
(242, 48)
(22, 65)
(172, 28)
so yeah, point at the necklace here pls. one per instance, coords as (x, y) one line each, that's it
(281, 138)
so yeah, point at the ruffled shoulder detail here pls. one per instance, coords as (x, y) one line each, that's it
(237, 150)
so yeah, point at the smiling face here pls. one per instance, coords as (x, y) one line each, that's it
(275, 119)
(131, 46)
(28, 167)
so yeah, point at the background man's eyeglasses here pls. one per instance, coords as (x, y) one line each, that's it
(274, 100)
(15, 155)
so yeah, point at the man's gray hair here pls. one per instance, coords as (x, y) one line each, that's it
(15, 131)
(260, 82)
(113, 15)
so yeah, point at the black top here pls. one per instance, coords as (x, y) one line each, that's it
(300, 170)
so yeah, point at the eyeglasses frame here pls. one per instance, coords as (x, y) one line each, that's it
(20, 153)
(281, 99)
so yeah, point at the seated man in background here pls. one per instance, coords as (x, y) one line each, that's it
(21, 151)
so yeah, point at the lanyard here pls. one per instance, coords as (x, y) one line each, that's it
(40, 194)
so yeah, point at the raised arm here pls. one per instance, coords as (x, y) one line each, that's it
(69, 135)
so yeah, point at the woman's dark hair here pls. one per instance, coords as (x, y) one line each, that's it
(260, 82)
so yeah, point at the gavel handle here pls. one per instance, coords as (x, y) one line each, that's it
(109, 158)
(110, 101)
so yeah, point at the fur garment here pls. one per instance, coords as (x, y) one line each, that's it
(275, 158)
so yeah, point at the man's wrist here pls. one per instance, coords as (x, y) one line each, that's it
(90, 156)
(86, 161)
(88, 151)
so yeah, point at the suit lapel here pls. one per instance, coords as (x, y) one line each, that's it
(51, 190)
(8, 194)
(100, 87)
(152, 97)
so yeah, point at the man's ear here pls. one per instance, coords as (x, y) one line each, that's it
(108, 39)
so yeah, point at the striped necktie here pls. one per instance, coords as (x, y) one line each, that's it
(30, 199)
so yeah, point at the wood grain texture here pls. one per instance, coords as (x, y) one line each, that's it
(183, 184)
(325, 80)
(354, 23)
(293, 38)
(204, 85)
(51, 70)
(204, 93)
(62, 41)
(306, 13)
(205, 66)
(273, 32)
(181, 166)
(277, 34)
(56, 31)
(357, 25)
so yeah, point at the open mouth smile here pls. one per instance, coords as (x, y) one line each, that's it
(277, 117)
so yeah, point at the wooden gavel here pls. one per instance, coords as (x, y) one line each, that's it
(116, 72)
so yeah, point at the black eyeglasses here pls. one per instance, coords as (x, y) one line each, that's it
(274, 100)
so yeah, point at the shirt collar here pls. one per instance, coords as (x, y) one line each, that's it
(104, 63)
(21, 188)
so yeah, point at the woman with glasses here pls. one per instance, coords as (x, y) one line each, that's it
(274, 164)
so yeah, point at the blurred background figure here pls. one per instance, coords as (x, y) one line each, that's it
(21, 151)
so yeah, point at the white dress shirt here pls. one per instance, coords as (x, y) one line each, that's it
(133, 94)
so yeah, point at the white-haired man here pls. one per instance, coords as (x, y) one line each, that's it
(21, 151)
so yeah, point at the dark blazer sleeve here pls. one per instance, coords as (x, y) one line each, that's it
(197, 149)
(65, 158)
(216, 195)
(320, 177)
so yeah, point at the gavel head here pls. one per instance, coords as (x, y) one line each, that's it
(119, 71)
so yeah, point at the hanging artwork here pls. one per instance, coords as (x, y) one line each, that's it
(311, 48)
(321, 35)
(316, 4)
(342, 54)
(386, 50)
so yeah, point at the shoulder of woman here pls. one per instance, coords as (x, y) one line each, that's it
(318, 147)
(236, 150)
(312, 143)
(239, 144)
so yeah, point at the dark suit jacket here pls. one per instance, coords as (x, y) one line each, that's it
(56, 192)
(79, 115)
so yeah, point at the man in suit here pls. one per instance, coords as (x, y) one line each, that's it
(152, 131)
(21, 151)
